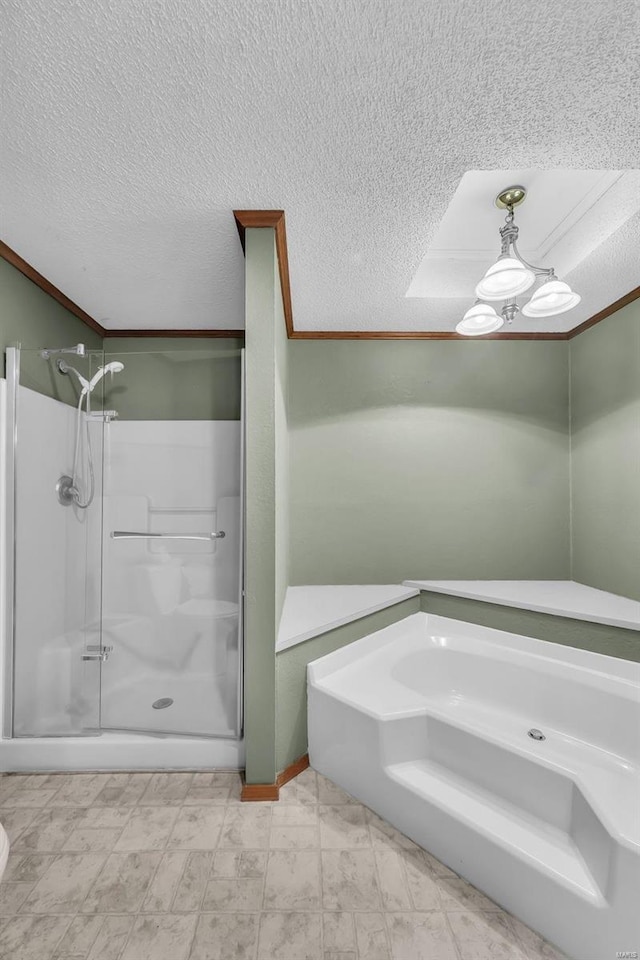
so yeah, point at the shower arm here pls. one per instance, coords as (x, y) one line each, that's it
(79, 350)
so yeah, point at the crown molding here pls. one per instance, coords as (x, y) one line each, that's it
(606, 312)
(246, 219)
(203, 334)
(32, 274)
(417, 335)
(45, 285)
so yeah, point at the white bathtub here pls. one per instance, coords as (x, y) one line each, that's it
(427, 723)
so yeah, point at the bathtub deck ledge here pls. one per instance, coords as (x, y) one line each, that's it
(562, 598)
(311, 610)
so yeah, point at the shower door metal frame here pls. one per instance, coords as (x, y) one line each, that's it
(240, 690)
(11, 438)
(10, 506)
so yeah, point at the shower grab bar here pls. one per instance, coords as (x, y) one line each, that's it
(132, 535)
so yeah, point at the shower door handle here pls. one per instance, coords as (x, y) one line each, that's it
(103, 655)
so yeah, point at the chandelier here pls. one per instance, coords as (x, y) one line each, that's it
(509, 277)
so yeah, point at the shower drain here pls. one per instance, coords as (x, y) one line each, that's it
(534, 734)
(162, 703)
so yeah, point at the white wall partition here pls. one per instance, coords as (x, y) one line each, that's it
(171, 604)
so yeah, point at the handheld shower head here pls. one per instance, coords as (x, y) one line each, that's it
(115, 366)
(89, 385)
(69, 490)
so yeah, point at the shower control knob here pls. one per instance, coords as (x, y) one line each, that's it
(66, 490)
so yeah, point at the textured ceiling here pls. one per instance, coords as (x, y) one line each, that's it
(132, 130)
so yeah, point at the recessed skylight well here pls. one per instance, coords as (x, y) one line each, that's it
(567, 216)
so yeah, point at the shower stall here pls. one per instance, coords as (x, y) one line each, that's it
(122, 558)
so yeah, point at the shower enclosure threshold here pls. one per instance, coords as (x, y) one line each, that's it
(119, 751)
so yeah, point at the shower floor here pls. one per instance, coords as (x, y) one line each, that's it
(202, 705)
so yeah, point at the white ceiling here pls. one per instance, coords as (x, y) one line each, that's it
(132, 130)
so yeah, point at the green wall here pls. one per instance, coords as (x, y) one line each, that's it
(430, 459)
(597, 637)
(166, 378)
(605, 453)
(265, 478)
(31, 317)
(291, 733)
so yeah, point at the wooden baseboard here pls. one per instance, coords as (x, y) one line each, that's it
(260, 791)
(271, 791)
(293, 770)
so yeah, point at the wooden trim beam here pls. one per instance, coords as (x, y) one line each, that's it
(248, 219)
(32, 274)
(271, 791)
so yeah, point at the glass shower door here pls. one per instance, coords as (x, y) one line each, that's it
(171, 568)
(56, 563)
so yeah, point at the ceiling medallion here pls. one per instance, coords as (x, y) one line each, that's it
(509, 277)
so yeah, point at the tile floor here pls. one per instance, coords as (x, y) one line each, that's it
(171, 866)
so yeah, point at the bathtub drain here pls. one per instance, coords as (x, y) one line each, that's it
(162, 703)
(536, 734)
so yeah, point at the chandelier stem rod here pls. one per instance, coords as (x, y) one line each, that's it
(539, 271)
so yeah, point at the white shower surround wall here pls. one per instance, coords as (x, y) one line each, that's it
(171, 607)
(426, 722)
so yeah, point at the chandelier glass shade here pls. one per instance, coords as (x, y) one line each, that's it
(509, 277)
(479, 319)
(550, 299)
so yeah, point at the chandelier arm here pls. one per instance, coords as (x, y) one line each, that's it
(539, 271)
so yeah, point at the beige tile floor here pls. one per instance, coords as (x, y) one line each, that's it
(171, 866)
